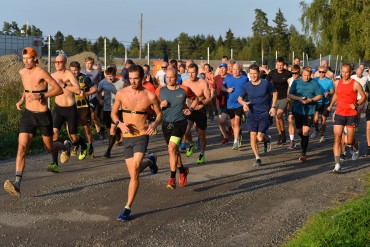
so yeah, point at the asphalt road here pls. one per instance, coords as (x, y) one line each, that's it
(227, 201)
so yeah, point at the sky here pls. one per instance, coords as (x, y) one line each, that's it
(161, 18)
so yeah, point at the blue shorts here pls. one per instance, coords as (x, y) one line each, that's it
(258, 122)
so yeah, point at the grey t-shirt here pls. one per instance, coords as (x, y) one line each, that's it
(93, 75)
(110, 90)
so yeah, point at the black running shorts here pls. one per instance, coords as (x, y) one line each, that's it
(31, 121)
(136, 144)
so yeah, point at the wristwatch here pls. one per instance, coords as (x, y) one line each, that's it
(117, 123)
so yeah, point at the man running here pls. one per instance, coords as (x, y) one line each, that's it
(221, 98)
(65, 111)
(110, 85)
(199, 115)
(346, 90)
(327, 90)
(328, 73)
(96, 108)
(296, 74)
(233, 85)
(172, 101)
(83, 106)
(135, 102)
(305, 92)
(36, 115)
(261, 105)
(279, 78)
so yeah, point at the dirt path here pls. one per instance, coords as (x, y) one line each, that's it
(227, 202)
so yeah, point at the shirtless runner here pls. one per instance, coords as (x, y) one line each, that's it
(198, 115)
(36, 115)
(136, 101)
(65, 110)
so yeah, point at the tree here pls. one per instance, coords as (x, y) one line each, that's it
(211, 43)
(185, 43)
(14, 28)
(338, 27)
(261, 32)
(7, 28)
(229, 39)
(280, 34)
(116, 48)
(134, 48)
(58, 41)
(99, 46)
(299, 43)
(69, 45)
(260, 26)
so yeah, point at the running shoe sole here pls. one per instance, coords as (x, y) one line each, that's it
(10, 188)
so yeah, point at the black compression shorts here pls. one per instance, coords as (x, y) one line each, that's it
(66, 114)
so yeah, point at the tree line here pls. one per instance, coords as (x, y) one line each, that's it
(327, 24)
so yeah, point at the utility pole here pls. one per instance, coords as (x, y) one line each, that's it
(141, 34)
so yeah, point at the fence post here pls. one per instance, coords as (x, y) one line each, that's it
(262, 55)
(231, 54)
(308, 63)
(105, 53)
(303, 58)
(148, 55)
(49, 63)
(336, 65)
(178, 51)
(208, 55)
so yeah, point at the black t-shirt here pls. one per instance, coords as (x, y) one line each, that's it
(280, 82)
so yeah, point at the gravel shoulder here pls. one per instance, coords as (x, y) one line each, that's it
(227, 201)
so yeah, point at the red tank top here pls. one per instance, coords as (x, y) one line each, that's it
(346, 96)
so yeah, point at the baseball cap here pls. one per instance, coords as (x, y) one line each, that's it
(223, 65)
(129, 61)
(30, 51)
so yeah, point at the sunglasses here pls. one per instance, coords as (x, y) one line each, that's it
(295, 73)
(58, 62)
(164, 67)
(322, 72)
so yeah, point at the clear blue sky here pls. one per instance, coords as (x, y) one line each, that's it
(161, 18)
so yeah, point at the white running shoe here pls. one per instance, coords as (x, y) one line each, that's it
(337, 168)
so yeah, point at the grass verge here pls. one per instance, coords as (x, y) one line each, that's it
(345, 225)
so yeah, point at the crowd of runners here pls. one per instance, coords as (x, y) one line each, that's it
(182, 96)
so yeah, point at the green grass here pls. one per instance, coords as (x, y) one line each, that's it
(345, 225)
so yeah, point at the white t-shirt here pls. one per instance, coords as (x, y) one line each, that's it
(160, 77)
(362, 81)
